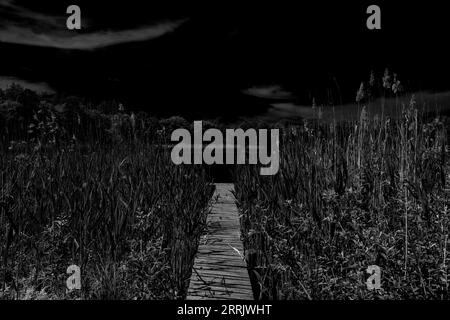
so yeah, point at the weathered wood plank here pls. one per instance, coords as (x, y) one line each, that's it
(205, 273)
(220, 271)
(215, 294)
(220, 283)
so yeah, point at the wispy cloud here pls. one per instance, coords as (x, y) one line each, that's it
(21, 15)
(90, 41)
(27, 27)
(269, 92)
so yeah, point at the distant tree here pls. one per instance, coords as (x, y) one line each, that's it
(175, 122)
(13, 92)
(109, 107)
(151, 126)
(23, 101)
(14, 120)
(29, 99)
(72, 103)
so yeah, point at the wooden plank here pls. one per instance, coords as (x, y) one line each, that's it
(219, 259)
(220, 271)
(220, 254)
(223, 270)
(202, 297)
(213, 279)
(219, 282)
(220, 295)
(220, 287)
(227, 291)
(204, 273)
(206, 265)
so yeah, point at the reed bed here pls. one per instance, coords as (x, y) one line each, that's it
(127, 216)
(374, 191)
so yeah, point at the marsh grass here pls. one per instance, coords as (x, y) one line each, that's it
(128, 217)
(349, 195)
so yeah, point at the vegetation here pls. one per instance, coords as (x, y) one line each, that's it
(80, 186)
(93, 185)
(349, 195)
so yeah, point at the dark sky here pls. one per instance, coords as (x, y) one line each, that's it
(210, 59)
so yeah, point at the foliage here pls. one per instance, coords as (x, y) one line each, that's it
(349, 195)
(125, 215)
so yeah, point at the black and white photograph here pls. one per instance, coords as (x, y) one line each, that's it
(252, 151)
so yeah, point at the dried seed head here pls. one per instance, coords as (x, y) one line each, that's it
(361, 94)
(372, 79)
(387, 80)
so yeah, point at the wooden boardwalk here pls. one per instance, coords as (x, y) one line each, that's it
(220, 271)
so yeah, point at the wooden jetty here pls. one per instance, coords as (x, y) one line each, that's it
(220, 270)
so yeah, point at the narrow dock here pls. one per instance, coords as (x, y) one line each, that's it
(220, 271)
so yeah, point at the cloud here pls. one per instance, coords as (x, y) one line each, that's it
(89, 41)
(426, 101)
(21, 25)
(269, 92)
(17, 14)
(38, 87)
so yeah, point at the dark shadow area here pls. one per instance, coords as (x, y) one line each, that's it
(219, 173)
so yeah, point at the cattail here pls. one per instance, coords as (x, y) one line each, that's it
(412, 101)
(372, 79)
(371, 89)
(361, 94)
(396, 85)
(320, 113)
(133, 120)
(387, 80)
